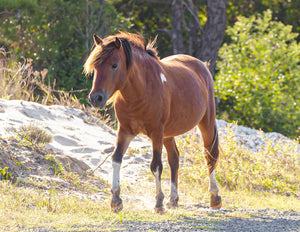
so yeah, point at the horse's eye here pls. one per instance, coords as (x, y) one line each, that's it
(114, 66)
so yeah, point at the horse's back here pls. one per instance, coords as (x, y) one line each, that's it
(191, 63)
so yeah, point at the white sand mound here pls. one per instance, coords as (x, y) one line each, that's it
(75, 135)
(78, 136)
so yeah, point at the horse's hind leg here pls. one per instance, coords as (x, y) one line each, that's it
(173, 159)
(211, 152)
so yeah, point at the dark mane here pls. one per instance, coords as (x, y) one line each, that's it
(101, 53)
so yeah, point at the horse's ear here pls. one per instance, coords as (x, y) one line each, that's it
(97, 39)
(118, 42)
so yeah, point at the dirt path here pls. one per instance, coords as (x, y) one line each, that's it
(218, 220)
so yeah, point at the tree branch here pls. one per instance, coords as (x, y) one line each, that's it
(168, 31)
(196, 18)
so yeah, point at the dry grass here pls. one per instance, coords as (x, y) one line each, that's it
(269, 178)
(33, 133)
(18, 80)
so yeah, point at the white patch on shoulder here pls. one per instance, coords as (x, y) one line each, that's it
(163, 78)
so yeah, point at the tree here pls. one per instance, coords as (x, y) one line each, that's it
(57, 34)
(177, 22)
(187, 31)
(213, 34)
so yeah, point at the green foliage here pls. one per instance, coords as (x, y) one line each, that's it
(285, 11)
(258, 80)
(5, 174)
(54, 165)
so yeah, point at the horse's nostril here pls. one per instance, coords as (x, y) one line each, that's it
(98, 98)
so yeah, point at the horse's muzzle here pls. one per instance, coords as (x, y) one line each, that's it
(98, 99)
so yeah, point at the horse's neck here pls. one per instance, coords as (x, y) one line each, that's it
(140, 80)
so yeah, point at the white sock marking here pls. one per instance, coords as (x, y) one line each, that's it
(116, 176)
(157, 182)
(213, 188)
(163, 78)
(174, 193)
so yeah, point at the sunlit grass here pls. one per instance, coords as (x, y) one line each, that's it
(27, 207)
(269, 178)
(19, 80)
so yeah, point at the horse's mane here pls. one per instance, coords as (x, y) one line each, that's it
(100, 53)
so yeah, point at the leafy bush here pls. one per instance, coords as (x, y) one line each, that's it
(258, 80)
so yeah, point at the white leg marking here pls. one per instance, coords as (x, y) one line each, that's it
(213, 188)
(116, 176)
(174, 193)
(157, 182)
(163, 78)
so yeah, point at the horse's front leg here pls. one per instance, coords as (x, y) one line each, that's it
(123, 141)
(156, 168)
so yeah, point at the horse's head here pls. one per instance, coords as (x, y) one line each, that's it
(109, 64)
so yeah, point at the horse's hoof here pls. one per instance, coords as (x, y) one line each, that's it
(159, 210)
(172, 204)
(116, 207)
(116, 204)
(215, 202)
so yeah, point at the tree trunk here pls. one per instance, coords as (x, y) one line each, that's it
(194, 29)
(213, 34)
(177, 21)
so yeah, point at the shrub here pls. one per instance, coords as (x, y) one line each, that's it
(258, 80)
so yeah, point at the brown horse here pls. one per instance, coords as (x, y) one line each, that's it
(160, 98)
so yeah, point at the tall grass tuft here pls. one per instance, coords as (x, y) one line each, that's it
(274, 168)
(34, 133)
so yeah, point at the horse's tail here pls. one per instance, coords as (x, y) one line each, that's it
(207, 64)
(212, 152)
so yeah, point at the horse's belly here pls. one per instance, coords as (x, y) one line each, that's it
(186, 112)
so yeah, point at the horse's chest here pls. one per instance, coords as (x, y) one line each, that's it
(138, 126)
